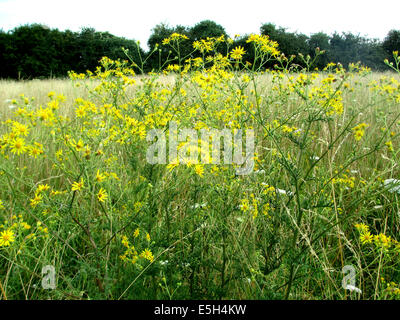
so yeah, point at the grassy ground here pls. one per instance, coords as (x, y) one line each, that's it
(78, 194)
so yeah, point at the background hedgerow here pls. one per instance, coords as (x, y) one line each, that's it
(36, 51)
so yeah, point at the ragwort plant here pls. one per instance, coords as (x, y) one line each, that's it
(79, 194)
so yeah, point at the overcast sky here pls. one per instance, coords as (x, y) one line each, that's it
(135, 19)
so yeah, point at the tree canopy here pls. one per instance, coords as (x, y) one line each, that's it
(36, 51)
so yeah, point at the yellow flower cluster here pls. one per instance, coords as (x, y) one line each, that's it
(14, 229)
(264, 43)
(174, 37)
(39, 195)
(388, 87)
(345, 180)
(6, 238)
(359, 130)
(392, 288)
(131, 254)
(16, 143)
(328, 98)
(381, 240)
(253, 204)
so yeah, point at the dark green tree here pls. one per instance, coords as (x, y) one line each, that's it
(161, 53)
(320, 40)
(290, 43)
(391, 43)
(7, 55)
(348, 48)
(34, 52)
(206, 29)
(94, 45)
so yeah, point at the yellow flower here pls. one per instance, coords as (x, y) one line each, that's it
(87, 152)
(44, 114)
(102, 195)
(246, 78)
(382, 240)
(99, 176)
(20, 129)
(125, 241)
(366, 237)
(172, 165)
(41, 188)
(25, 225)
(199, 169)
(358, 134)
(80, 111)
(268, 189)
(244, 205)
(389, 145)
(136, 233)
(36, 150)
(237, 53)
(53, 105)
(264, 43)
(174, 37)
(266, 210)
(77, 186)
(6, 237)
(359, 131)
(138, 206)
(59, 154)
(18, 146)
(361, 227)
(78, 145)
(146, 253)
(61, 98)
(36, 200)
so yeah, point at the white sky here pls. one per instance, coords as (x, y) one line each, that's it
(135, 19)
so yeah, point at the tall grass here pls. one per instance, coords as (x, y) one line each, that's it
(117, 227)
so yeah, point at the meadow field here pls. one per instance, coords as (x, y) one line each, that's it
(84, 214)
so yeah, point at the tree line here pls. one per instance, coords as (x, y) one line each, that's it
(36, 51)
